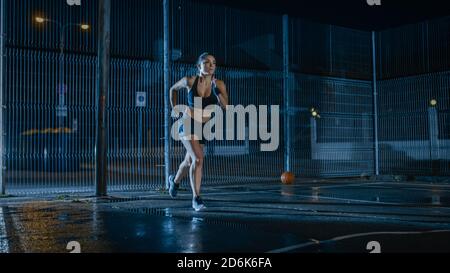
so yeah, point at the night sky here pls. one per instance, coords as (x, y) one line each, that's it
(350, 13)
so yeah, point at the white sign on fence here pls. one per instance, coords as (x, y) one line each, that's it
(141, 99)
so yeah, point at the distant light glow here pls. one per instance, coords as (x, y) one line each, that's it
(40, 20)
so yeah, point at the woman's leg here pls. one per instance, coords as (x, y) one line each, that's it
(195, 150)
(183, 170)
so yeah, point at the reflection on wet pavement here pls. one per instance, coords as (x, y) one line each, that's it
(261, 218)
(48, 228)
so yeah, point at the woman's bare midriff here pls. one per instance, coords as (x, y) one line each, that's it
(197, 114)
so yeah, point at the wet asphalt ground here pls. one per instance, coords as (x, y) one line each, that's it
(311, 216)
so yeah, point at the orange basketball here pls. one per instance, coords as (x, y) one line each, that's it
(287, 178)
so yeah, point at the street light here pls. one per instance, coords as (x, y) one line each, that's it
(314, 112)
(40, 20)
(433, 102)
(61, 110)
(62, 28)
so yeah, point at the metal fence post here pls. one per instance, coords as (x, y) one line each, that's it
(2, 132)
(375, 104)
(103, 69)
(167, 76)
(286, 96)
(433, 130)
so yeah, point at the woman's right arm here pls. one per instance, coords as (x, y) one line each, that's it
(183, 83)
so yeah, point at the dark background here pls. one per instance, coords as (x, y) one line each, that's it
(351, 13)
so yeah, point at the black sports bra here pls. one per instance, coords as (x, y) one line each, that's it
(212, 99)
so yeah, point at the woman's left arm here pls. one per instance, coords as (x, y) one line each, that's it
(223, 95)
